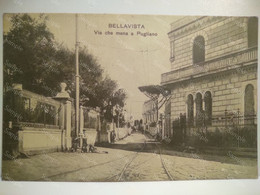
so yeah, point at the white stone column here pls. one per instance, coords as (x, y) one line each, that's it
(163, 127)
(64, 116)
(203, 104)
(187, 109)
(61, 118)
(68, 125)
(194, 112)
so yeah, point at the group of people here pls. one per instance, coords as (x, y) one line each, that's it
(85, 146)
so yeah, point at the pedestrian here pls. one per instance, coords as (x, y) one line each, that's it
(84, 142)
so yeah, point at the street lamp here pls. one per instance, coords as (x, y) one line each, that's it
(77, 79)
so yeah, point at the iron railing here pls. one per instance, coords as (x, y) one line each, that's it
(27, 109)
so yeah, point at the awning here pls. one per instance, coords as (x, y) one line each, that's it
(154, 92)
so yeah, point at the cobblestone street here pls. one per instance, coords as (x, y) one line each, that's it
(135, 158)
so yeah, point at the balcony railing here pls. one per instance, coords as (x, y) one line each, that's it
(227, 62)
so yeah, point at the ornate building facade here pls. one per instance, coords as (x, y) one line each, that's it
(213, 76)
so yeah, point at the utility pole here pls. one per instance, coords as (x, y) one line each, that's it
(77, 78)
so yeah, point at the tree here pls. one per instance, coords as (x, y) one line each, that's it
(119, 98)
(29, 55)
(114, 107)
(33, 58)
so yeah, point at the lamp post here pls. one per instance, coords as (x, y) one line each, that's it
(77, 78)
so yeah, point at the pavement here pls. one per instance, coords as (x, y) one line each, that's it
(135, 158)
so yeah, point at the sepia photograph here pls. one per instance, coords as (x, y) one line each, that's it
(128, 97)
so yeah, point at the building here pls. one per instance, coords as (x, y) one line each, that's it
(150, 116)
(213, 76)
(153, 116)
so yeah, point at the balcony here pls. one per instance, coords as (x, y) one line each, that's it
(223, 63)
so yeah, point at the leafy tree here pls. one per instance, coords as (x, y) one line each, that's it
(30, 47)
(119, 98)
(33, 58)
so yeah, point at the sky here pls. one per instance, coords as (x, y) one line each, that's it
(132, 60)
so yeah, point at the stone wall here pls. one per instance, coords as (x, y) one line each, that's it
(33, 141)
(227, 90)
(223, 35)
(35, 133)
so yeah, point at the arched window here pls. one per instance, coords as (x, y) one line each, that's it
(198, 50)
(190, 104)
(208, 107)
(249, 104)
(199, 111)
(252, 32)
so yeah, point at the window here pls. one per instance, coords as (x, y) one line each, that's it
(190, 104)
(208, 107)
(249, 104)
(252, 32)
(172, 51)
(199, 111)
(198, 50)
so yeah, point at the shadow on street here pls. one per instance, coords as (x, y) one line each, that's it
(150, 145)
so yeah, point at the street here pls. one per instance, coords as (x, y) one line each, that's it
(135, 158)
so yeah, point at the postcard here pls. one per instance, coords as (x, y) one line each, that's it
(117, 98)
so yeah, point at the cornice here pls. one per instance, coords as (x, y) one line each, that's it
(218, 75)
(194, 25)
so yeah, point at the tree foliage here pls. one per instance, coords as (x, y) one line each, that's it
(33, 58)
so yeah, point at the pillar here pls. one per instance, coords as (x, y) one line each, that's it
(203, 104)
(163, 126)
(68, 125)
(61, 120)
(194, 112)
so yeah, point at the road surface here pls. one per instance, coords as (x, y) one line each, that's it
(135, 158)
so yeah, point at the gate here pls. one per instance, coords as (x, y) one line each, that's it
(179, 129)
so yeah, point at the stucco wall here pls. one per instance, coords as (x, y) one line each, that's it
(35, 140)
